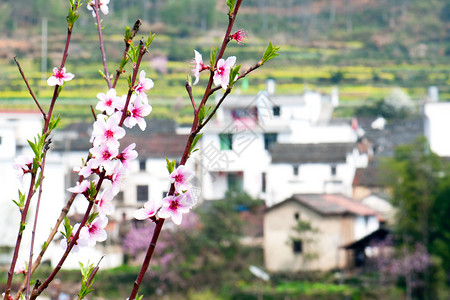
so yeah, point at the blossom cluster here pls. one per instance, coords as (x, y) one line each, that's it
(106, 159)
(172, 206)
(221, 72)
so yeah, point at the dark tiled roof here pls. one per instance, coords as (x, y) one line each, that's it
(311, 153)
(329, 204)
(162, 145)
(396, 132)
(367, 177)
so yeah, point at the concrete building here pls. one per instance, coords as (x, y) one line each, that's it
(335, 220)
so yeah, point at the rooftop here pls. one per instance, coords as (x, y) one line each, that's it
(329, 204)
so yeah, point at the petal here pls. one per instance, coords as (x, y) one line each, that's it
(177, 217)
(52, 81)
(141, 214)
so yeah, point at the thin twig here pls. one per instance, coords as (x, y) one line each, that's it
(142, 51)
(102, 46)
(38, 290)
(24, 213)
(29, 88)
(93, 113)
(33, 232)
(128, 42)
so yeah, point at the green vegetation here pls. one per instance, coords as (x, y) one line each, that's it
(366, 49)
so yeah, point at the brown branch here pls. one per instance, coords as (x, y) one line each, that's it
(142, 51)
(128, 42)
(24, 213)
(29, 88)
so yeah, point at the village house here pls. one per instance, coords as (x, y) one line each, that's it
(332, 221)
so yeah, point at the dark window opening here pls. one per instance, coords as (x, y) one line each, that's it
(295, 170)
(142, 193)
(269, 140)
(263, 182)
(297, 216)
(142, 165)
(297, 246)
(235, 182)
(119, 197)
(226, 141)
(276, 111)
(333, 170)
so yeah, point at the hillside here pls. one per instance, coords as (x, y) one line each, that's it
(364, 46)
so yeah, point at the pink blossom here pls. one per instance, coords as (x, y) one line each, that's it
(103, 156)
(95, 232)
(138, 110)
(59, 76)
(127, 155)
(11, 298)
(107, 131)
(20, 267)
(222, 73)
(144, 85)
(181, 177)
(192, 195)
(104, 202)
(108, 102)
(174, 207)
(103, 5)
(22, 165)
(198, 66)
(86, 170)
(239, 36)
(118, 175)
(80, 188)
(149, 210)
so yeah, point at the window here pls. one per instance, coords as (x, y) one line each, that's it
(269, 140)
(142, 193)
(226, 141)
(235, 182)
(295, 170)
(333, 170)
(297, 246)
(297, 216)
(119, 197)
(0, 140)
(276, 111)
(263, 182)
(142, 165)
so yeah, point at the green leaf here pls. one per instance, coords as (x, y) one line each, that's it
(101, 73)
(22, 226)
(54, 122)
(212, 59)
(92, 217)
(150, 39)
(194, 142)
(270, 53)
(92, 191)
(127, 34)
(44, 246)
(231, 4)
(67, 228)
(170, 165)
(203, 113)
(233, 74)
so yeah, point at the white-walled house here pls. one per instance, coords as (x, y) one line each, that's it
(335, 221)
(238, 146)
(436, 126)
(311, 168)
